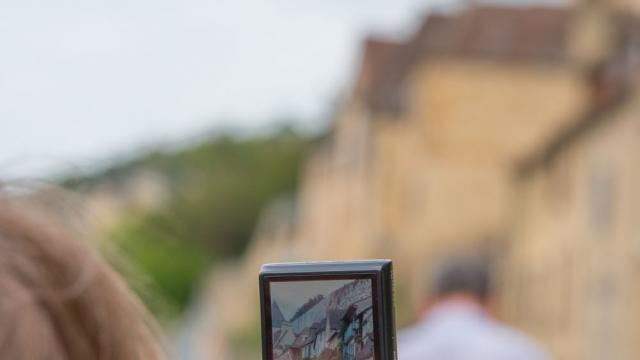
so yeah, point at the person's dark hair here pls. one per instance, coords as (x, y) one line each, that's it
(470, 276)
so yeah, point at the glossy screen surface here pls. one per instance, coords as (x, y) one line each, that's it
(322, 319)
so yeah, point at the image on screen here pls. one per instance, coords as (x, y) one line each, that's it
(322, 320)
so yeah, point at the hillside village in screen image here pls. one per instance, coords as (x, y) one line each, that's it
(322, 320)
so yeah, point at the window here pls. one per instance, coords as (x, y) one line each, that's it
(559, 182)
(600, 199)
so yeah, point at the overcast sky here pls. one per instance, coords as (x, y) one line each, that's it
(84, 80)
(291, 295)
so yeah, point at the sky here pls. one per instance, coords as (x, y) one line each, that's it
(291, 295)
(84, 81)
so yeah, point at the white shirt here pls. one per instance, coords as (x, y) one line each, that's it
(462, 331)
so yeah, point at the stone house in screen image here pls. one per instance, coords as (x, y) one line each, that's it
(338, 326)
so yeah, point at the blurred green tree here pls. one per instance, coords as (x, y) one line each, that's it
(217, 189)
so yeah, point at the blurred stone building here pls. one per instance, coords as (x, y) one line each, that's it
(507, 130)
(571, 265)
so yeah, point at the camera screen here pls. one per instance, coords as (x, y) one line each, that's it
(322, 319)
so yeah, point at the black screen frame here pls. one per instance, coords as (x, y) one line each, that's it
(378, 272)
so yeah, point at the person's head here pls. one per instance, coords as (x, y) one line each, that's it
(462, 277)
(60, 300)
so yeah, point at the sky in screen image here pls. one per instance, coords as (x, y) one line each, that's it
(290, 295)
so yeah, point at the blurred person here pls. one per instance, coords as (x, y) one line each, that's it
(457, 323)
(60, 300)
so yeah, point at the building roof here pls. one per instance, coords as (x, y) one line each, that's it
(313, 312)
(500, 33)
(334, 316)
(611, 81)
(276, 315)
(363, 305)
(357, 308)
(585, 123)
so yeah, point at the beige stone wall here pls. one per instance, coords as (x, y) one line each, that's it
(408, 187)
(435, 179)
(573, 263)
(483, 112)
(476, 117)
(468, 121)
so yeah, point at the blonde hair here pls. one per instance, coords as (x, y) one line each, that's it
(60, 300)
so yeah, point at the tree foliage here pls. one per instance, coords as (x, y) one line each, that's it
(217, 189)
